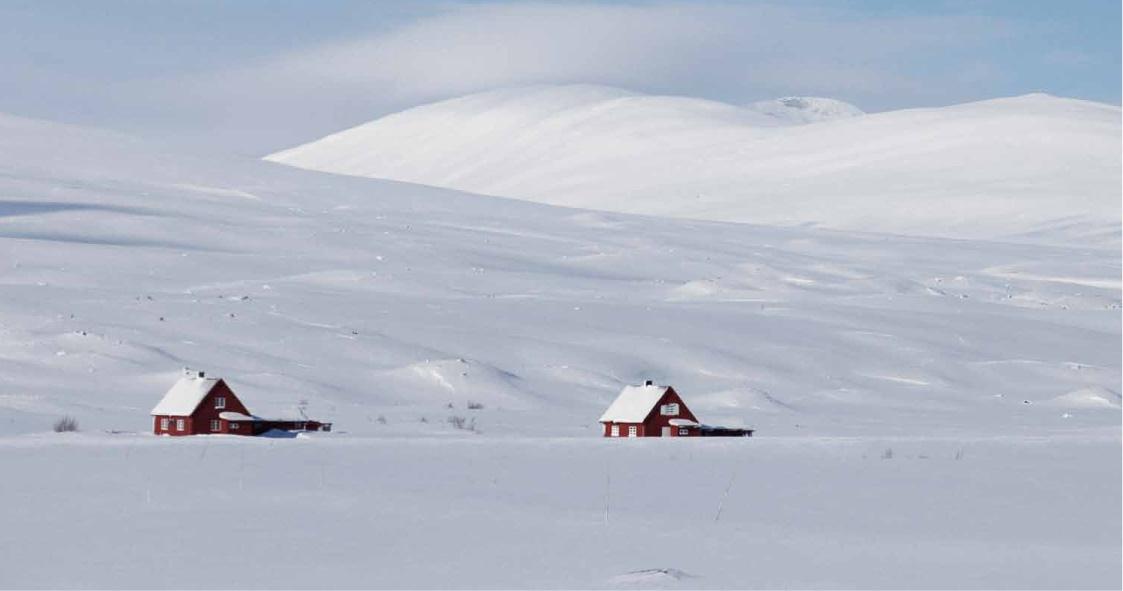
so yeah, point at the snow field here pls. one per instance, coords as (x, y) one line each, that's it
(480, 512)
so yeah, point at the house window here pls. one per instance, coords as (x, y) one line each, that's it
(220, 402)
(164, 424)
(215, 425)
(616, 430)
(632, 430)
(669, 410)
(233, 426)
(683, 431)
(179, 424)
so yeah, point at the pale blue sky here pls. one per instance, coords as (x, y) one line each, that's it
(256, 75)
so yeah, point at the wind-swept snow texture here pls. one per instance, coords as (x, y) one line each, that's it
(929, 412)
(1022, 167)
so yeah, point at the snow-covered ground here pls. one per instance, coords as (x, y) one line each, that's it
(341, 511)
(930, 412)
(998, 168)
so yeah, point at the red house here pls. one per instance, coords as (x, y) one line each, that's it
(649, 411)
(657, 411)
(198, 405)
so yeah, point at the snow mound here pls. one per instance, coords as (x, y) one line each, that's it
(806, 109)
(458, 382)
(1089, 398)
(651, 577)
(1026, 166)
(282, 434)
(741, 399)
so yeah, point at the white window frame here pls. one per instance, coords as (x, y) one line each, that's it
(216, 425)
(633, 431)
(669, 410)
(233, 426)
(615, 431)
(683, 431)
(220, 402)
(163, 423)
(180, 425)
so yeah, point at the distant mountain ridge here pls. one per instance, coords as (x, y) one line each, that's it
(1029, 166)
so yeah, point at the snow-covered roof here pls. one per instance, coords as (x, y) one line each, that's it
(682, 423)
(236, 416)
(184, 396)
(633, 404)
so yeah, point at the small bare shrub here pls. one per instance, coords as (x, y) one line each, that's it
(459, 422)
(381, 420)
(472, 405)
(887, 454)
(66, 425)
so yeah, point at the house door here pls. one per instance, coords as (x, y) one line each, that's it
(666, 432)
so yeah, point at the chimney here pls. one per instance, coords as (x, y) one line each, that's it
(202, 374)
(648, 383)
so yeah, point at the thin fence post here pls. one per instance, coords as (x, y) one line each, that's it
(721, 503)
(607, 492)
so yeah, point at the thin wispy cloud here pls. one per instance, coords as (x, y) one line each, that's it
(727, 49)
(736, 52)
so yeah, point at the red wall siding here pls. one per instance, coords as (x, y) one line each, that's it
(244, 428)
(206, 412)
(171, 425)
(624, 429)
(655, 422)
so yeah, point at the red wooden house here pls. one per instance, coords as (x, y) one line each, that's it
(651, 410)
(198, 405)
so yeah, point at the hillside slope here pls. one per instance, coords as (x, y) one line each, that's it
(122, 264)
(926, 409)
(999, 168)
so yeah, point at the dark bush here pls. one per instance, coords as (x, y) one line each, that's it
(66, 425)
(462, 423)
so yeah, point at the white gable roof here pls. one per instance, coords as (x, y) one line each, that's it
(185, 396)
(633, 404)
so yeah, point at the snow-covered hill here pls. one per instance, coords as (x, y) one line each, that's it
(1029, 165)
(926, 408)
(123, 264)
